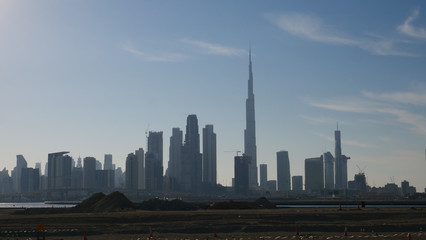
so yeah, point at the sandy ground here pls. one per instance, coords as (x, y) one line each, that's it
(320, 223)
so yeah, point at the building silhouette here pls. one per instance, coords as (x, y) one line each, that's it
(17, 172)
(191, 157)
(131, 172)
(241, 174)
(209, 156)
(108, 162)
(30, 180)
(314, 174)
(328, 160)
(297, 183)
(283, 171)
(175, 159)
(340, 164)
(154, 162)
(89, 172)
(59, 170)
(263, 172)
(140, 156)
(271, 185)
(250, 148)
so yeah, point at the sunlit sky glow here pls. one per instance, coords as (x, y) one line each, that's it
(90, 77)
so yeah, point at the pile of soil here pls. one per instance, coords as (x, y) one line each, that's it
(156, 204)
(261, 203)
(98, 202)
(88, 204)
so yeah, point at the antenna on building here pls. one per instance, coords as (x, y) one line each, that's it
(146, 136)
(337, 123)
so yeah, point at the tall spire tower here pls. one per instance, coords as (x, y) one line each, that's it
(250, 131)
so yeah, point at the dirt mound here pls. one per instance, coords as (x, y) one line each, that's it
(88, 204)
(100, 202)
(113, 202)
(261, 203)
(156, 204)
(265, 203)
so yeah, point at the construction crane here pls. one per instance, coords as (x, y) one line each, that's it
(361, 171)
(235, 151)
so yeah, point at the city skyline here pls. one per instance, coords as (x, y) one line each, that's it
(71, 84)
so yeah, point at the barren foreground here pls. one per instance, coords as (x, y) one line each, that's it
(323, 223)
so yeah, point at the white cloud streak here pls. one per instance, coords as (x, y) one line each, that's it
(215, 49)
(416, 121)
(314, 29)
(162, 57)
(408, 29)
(418, 99)
(353, 143)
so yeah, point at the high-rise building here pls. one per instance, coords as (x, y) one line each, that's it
(108, 162)
(271, 185)
(77, 177)
(283, 171)
(104, 179)
(154, 162)
(38, 166)
(314, 174)
(98, 165)
(328, 170)
(241, 174)
(30, 180)
(191, 157)
(59, 170)
(175, 159)
(405, 187)
(89, 173)
(17, 172)
(340, 164)
(250, 131)
(297, 183)
(140, 156)
(131, 172)
(263, 176)
(209, 156)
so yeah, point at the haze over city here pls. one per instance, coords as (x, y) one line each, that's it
(93, 77)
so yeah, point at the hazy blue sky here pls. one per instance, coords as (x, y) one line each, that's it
(90, 77)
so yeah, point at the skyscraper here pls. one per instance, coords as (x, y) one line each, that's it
(154, 162)
(175, 159)
(59, 175)
(131, 172)
(191, 157)
(263, 176)
(340, 164)
(17, 172)
(209, 156)
(250, 131)
(241, 174)
(107, 162)
(140, 156)
(297, 183)
(314, 174)
(328, 170)
(89, 172)
(283, 171)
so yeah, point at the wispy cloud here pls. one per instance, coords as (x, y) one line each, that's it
(347, 105)
(416, 121)
(314, 29)
(353, 143)
(149, 57)
(215, 49)
(408, 29)
(418, 99)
